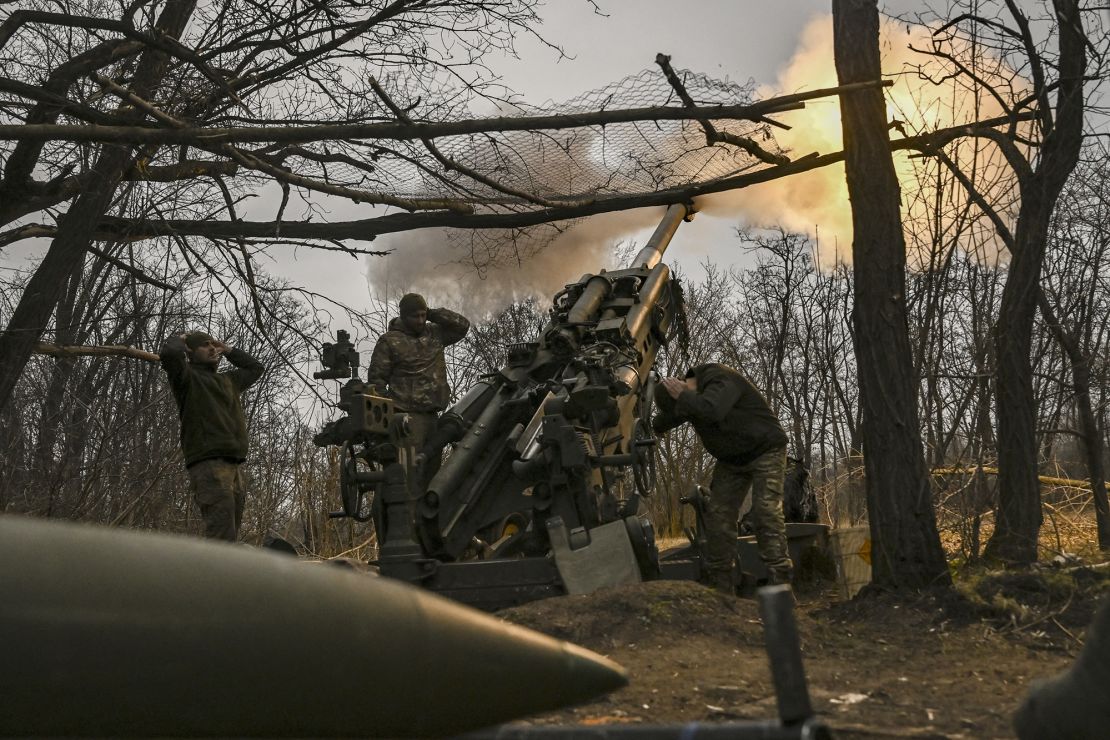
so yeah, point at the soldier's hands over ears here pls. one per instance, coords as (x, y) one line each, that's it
(674, 386)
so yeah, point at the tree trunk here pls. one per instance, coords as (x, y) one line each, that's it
(1018, 521)
(1092, 448)
(905, 545)
(76, 227)
(1089, 431)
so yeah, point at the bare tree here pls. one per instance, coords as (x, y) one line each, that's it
(906, 549)
(348, 100)
(1073, 306)
(1037, 77)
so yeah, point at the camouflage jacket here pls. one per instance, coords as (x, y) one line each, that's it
(410, 368)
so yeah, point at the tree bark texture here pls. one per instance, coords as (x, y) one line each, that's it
(76, 227)
(905, 545)
(1018, 520)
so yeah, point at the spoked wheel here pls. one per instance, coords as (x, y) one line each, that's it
(350, 491)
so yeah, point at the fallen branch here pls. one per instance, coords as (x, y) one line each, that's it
(1047, 480)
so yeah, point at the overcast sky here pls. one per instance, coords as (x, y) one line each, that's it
(779, 45)
(725, 39)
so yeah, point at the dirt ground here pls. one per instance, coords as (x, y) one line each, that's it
(947, 665)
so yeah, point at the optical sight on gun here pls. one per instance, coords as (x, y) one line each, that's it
(340, 359)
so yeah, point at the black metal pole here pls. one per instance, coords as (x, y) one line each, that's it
(780, 632)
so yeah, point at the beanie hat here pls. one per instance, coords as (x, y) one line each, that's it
(411, 303)
(196, 338)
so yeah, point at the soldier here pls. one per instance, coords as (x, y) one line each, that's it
(408, 366)
(1074, 705)
(213, 427)
(738, 428)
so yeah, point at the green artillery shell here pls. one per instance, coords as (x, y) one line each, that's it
(107, 632)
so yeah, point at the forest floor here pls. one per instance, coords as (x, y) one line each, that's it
(951, 664)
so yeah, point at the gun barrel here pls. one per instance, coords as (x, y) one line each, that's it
(597, 288)
(460, 464)
(110, 633)
(639, 316)
(652, 252)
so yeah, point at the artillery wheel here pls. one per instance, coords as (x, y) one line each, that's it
(349, 491)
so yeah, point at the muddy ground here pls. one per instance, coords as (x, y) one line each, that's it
(942, 665)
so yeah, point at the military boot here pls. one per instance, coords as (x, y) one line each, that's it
(1074, 705)
(720, 580)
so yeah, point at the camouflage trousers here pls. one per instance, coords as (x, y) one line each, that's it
(731, 484)
(220, 494)
(421, 427)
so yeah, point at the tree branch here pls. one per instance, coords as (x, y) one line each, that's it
(113, 350)
(280, 173)
(985, 207)
(712, 135)
(132, 270)
(207, 137)
(50, 194)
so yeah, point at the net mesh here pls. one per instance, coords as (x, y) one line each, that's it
(599, 161)
(570, 165)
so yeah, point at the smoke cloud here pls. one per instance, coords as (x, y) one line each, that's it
(442, 267)
(481, 273)
(816, 202)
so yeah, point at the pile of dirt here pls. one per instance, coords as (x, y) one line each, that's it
(935, 665)
(1051, 604)
(618, 617)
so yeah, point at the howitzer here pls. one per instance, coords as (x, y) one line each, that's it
(532, 499)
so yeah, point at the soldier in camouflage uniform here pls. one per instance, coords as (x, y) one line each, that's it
(738, 428)
(408, 366)
(213, 426)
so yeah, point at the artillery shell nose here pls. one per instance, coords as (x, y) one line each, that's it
(591, 674)
(114, 633)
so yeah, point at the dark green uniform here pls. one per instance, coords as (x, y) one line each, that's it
(1074, 705)
(213, 432)
(411, 369)
(740, 430)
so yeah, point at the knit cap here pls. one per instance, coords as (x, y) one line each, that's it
(411, 303)
(196, 338)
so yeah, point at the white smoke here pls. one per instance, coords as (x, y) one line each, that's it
(452, 273)
(480, 276)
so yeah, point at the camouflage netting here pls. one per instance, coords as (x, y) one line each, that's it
(563, 166)
(589, 162)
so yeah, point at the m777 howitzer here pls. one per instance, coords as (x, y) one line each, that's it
(529, 502)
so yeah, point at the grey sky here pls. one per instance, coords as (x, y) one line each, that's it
(725, 39)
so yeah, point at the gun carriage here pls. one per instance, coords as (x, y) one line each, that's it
(550, 457)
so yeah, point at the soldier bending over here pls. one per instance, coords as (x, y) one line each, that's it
(408, 366)
(738, 428)
(213, 426)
